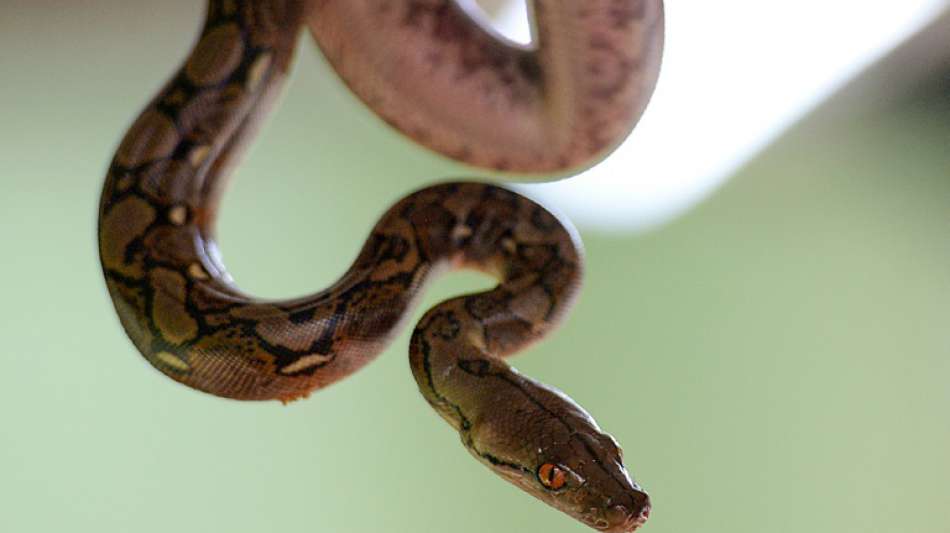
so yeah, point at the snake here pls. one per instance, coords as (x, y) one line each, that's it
(437, 72)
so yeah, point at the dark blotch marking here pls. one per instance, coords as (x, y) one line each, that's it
(476, 367)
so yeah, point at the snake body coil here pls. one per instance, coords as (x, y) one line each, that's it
(182, 311)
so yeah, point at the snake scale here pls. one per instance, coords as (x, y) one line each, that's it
(433, 71)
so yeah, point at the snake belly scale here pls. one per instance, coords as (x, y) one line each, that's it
(183, 312)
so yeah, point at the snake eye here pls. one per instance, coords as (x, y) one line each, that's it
(552, 476)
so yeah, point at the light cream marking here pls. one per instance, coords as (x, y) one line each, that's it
(256, 73)
(177, 215)
(305, 362)
(510, 245)
(196, 271)
(173, 361)
(460, 232)
(198, 155)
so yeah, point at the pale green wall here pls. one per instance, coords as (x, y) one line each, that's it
(774, 361)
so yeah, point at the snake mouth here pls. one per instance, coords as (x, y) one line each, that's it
(634, 522)
(622, 520)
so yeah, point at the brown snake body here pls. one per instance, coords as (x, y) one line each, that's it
(558, 106)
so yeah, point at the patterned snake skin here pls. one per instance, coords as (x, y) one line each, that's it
(526, 111)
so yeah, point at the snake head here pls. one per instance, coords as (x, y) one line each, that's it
(561, 457)
(590, 483)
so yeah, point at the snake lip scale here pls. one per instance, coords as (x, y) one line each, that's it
(434, 73)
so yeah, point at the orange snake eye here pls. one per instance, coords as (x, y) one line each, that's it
(552, 476)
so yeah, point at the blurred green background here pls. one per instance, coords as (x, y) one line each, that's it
(775, 360)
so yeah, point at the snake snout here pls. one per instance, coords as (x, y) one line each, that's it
(640, 519)
(622, 520)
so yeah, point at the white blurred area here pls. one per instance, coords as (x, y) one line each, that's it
(735, 74)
